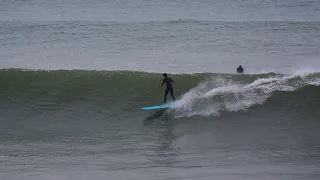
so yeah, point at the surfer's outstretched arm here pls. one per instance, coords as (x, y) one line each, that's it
(162, 83)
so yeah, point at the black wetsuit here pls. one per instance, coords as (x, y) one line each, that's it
(168, 81)
(240, 69)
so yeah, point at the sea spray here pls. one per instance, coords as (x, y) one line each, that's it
(217, 94)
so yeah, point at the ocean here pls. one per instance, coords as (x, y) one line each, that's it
(74, 75)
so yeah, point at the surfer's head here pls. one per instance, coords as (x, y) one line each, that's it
(164, 75)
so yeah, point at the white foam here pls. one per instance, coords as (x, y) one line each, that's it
(315, 82)
(218, 94)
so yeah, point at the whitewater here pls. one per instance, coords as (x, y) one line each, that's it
(218, 94)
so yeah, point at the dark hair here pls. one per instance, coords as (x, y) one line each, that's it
(165, 75)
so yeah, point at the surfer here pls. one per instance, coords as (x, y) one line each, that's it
(168, 81)
(240, 69)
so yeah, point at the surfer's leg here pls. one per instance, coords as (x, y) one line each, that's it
(171, 92)
(165, 95)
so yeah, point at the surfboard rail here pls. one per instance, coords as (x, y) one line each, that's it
(157, 107)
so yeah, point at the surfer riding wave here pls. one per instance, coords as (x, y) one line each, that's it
(168, 81)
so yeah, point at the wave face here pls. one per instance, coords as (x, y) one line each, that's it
(199, 94)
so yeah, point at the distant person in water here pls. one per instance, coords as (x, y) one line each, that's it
(167, 80)
(240, 69)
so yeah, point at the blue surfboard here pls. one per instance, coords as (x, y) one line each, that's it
(157, 107)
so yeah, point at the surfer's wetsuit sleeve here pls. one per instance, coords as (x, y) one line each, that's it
(168, 82)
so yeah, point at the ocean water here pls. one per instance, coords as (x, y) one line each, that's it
(74, 75)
